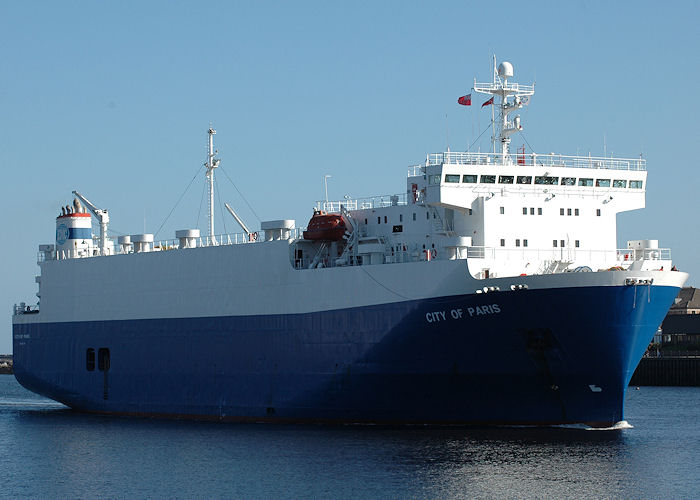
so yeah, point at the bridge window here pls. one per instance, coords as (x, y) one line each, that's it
(524, 179)
(532, 210)
(576, 212)
(471, 179)
(488, 179)
(453, 178)
(414, 216)
(539, 211)
(635, 184)
(524, 243)
(503, 242)
(517, 243)
(546, 180)
(379, 220)
(585, 182)
(568, 211)
(597, 212)
(561, 211)
(505, 179)
(503, 210)
(619, 183)
(602, 183)
(568, 181)
(578, 243)
(434, 179)
(554, 243)
(524, 210)
(562, 243)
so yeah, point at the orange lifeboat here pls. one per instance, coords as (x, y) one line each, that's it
(323, 226)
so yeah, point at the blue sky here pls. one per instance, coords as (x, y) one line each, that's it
(114, 98)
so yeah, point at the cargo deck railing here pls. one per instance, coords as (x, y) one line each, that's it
(164, 245)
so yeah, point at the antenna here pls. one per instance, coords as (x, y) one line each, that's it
(605, 146)
(211, 164)
(510, 95)
(447, 132)
(325, 182)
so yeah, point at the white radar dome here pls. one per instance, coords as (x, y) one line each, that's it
(505, 69)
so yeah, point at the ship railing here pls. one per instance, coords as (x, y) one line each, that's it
(225, 240)
(542, 260)
(416, 170)
(524, 190)
(23, 308)
(165, 245)
(529, 159)
(381, 201)
(613, 257)
(630, 255)
(675, 354)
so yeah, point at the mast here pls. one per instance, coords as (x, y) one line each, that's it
(211, 164)
(504, 90)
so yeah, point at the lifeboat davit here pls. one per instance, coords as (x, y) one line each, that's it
(323, 226)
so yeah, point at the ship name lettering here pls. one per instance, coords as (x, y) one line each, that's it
(481, 310)
(434, 317)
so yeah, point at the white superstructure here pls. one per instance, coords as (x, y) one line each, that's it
(507, 214)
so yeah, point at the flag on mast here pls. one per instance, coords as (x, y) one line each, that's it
(488, 103)
(465, 100)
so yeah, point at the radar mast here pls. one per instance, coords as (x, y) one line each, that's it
(505, 90)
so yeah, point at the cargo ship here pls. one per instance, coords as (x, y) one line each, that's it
(489, 291)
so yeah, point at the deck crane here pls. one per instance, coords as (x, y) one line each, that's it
(238, 219)
(102, 217)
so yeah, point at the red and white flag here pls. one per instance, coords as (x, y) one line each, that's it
(465, 100)
(488, 103)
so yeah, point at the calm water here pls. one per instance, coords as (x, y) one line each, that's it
(47, 451)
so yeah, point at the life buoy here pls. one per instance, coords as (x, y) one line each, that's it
(433, 253)
(627, 256)
(253, 236)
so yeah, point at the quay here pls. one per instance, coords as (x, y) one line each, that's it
(680, 371)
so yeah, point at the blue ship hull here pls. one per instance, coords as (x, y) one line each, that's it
(546, 356)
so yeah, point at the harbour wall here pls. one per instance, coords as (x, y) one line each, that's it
(680, 371)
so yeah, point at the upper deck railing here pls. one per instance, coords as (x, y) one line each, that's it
(529, 160)
(386, 200)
